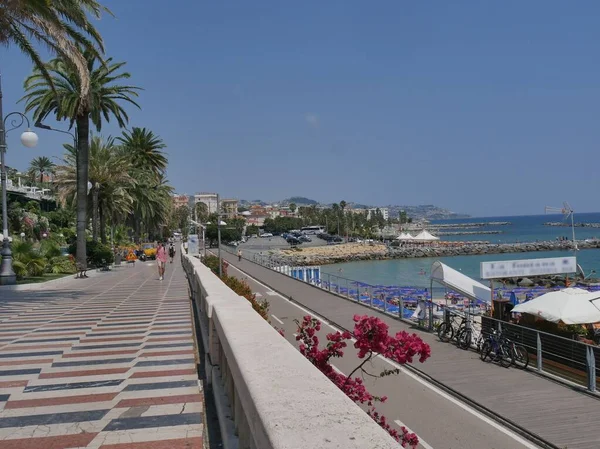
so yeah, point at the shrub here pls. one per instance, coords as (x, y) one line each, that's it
(371, 339)
(27, 261)
(239, 287)
(97, 253)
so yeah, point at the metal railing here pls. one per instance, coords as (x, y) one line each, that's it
(406, 303)
(566, 358)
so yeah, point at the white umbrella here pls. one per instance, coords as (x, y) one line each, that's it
(571, 306)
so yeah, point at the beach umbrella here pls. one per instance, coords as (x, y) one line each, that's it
(570, 306)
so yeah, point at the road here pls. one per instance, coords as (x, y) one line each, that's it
(440, 421)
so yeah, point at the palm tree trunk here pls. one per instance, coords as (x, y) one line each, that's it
(102, 225)
(83, 145)
(95, 213)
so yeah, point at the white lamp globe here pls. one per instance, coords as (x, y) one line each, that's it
(44, 235)
(89, 186)
(29, 139)
(222, 223)
(22, 234)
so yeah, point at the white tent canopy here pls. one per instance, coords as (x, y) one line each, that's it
(404, 236)
(570, 305)
(425, 236)
(460, 283)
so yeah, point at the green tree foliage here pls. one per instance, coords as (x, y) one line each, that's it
(60, 95)
(41, 166)
(59, 25)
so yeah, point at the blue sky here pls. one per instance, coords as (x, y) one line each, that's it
(486, 108)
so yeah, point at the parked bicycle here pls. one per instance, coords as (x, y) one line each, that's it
(446, 331)
(468, 334)
(520, 354)
(496, 348)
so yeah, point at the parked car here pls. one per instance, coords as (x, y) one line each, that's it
(304, 238)
(266, 234)
(293, 240)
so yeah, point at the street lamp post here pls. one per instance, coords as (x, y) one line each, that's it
(219, 236)
(28, 139)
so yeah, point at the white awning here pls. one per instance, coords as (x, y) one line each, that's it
(460, 283)
(425, 236)
(570, 305)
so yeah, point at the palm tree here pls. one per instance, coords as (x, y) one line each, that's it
(41, 166)
(201, 210)
(109, 173)
(144, 149)
(62, 97)
(59, 25)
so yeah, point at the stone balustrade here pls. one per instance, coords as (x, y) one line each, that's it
(267, 395)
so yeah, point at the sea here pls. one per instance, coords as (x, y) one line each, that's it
(415, 272)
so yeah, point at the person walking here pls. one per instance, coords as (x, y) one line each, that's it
(171, 252)
(161, 260)
(239, 255)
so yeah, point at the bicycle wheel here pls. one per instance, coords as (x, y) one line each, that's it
(521, 356)
(486, 348)
(505, 355)
(464, 338)
(445, 332)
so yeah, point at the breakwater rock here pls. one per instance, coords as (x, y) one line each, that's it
(441, 233)
(356, 252)
(468, 225)
(568, 225)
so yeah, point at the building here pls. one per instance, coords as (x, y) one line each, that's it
(229, 207)
(210, 199)
(384, 211)
(180, 200)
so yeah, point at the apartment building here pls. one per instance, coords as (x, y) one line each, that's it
(180, 200)
(229, 207)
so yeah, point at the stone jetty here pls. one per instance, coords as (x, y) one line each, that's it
(468, 225)
(442, 233)
(568, 225)
(349, 252)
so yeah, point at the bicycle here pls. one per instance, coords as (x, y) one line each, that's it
(446, 330)
(520, 354)
(465, 337)
(497, 350)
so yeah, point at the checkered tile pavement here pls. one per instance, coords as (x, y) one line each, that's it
(105, 363)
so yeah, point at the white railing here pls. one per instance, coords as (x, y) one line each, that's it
(267, 395)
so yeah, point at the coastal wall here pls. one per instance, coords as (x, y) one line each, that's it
(353, 252)
(267, 395)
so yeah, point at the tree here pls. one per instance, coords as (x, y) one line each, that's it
(109, 173)
(61, 96)
(201, 212)
(59, 25)
(41, 166)
(293, 207)
(144, 149)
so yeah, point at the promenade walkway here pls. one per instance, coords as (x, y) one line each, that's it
(559, 415)
(104, 363)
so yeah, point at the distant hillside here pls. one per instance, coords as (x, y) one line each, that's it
(426, 212)
(300, 201)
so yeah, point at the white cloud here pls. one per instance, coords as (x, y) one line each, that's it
(312, 120)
